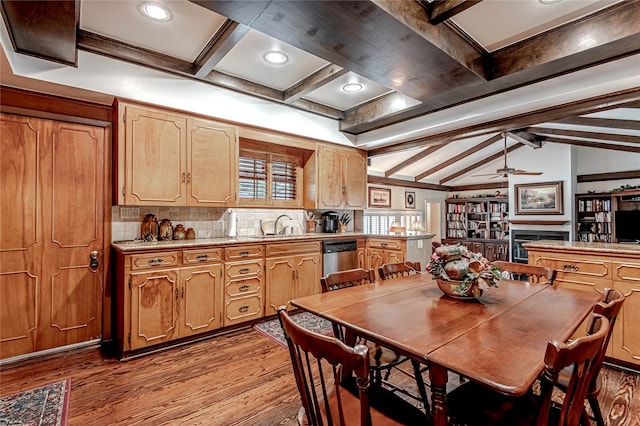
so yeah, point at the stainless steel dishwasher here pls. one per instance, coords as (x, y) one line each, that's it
(339, 256)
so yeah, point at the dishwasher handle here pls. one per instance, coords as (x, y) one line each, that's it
(339, 246)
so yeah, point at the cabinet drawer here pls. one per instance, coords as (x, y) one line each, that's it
(293, 248)
(627, 271)
(241, 270)
(242, 309)
(240, 288)
(577, 269)
(384, 244)
(154, 260)
(243, 252)
(201, 256)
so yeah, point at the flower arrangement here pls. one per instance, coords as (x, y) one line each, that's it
(470, 272)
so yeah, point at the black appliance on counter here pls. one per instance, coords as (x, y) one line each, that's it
(330, 222)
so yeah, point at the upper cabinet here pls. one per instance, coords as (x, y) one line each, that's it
(340, 181)
(167, 158)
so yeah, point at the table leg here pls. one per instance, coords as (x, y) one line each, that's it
(438, 377)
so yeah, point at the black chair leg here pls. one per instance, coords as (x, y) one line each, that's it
(421, 387)
(597, 413)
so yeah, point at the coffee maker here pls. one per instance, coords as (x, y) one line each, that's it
(330, 222)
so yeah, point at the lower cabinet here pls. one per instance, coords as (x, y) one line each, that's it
(292, 270)
(588, 270)
(243, 284)
(380, 251)
(164, 300)
(491, 249)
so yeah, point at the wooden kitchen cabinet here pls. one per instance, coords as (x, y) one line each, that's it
(167, 158)
(380, 251)
(341, 179)
(292, 270)
(592, 267)
(243, 284)
(162, 296)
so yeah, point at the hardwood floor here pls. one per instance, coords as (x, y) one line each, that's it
(237, 379)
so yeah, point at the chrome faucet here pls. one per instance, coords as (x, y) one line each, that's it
(275, 224)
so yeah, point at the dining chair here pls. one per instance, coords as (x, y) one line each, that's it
(333, 381)
(475, 405)
(382, 360)
(532, 273)
(400, 269)
(609, 307)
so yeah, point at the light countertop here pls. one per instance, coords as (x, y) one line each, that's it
(614, 248)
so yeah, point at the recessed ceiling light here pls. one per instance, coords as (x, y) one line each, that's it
(352, 87)
(276, 58)
(155, 11)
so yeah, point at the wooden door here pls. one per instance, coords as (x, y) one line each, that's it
(201, 299)
(330, 186)
(307, 275)
(52, 193)
(154, 307)
(20, 235)
(280, 285)
(212, 163)
(355, 180)
(155, 157)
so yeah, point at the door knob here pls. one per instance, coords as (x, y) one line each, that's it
(93, 264)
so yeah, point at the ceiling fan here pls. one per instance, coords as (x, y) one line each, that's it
(506, 170)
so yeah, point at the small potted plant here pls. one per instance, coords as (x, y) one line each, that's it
(461, 273)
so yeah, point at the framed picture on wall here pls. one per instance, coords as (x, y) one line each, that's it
(539, 198)
(379, 197)
(409, 200)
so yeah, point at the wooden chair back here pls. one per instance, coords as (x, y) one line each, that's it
(348, 278)
(395, 270)
(533, 273)
(324, 402)
(582, 354)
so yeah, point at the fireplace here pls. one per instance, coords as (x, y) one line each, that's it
(519, 237)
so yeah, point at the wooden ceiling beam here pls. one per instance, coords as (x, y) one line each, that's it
(480, 163)
(441, 10)
(379, 180)
(587, 135)
(599, 177)
(528, 139)
(229, 34)
(613, 32)
(488, 142)
(382, 106)
(603, 122)
(319, 78)
(598, 145)
(413, 159)
(544, 115)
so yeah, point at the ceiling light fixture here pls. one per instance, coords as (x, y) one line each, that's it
(276, 58)
(352, 87)
(155, 11)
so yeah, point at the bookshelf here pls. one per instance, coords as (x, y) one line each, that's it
(481, 224)
(594, 217)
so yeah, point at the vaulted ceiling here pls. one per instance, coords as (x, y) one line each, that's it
(416, 62)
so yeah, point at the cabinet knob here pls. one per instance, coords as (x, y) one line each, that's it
(93, 264)
(569, 267)
(243, 308)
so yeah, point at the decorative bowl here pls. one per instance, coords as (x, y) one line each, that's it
(452, 289)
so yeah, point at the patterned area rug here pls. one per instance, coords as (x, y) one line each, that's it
(273, 331)
(47, 405)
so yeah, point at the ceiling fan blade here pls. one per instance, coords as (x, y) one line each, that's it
(524, 172)
(498, 176)
(487, 174)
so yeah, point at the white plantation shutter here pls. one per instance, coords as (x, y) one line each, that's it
(252, 171)
(268, 179)
(284, 180)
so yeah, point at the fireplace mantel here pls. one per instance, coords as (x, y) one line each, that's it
(538, 222)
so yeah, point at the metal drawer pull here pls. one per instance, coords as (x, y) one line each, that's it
(202, 257)
(383, 244)
(154, 262)
(243, 288)
(244, 253)
(243, 309)
(569, 267)
(244, 270)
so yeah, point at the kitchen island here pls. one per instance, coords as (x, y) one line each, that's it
(594, 267)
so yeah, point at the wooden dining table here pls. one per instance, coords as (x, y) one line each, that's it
(498, 341)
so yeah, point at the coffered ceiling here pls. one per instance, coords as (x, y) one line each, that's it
(416, 62)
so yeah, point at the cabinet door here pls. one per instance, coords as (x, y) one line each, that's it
(375, 259)
(354, 180)
(393, 256)
(201, 299)
(280, 276)
(154, 307)
(625, 341)
(307, 275)
(212, 163)
(330, 186)
(155, 157)
(495, 251)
